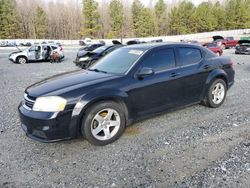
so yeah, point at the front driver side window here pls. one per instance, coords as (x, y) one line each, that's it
(160, 60)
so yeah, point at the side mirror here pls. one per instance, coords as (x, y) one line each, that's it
(145, 71)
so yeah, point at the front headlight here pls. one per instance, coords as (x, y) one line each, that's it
(50, 104)
(83, 58)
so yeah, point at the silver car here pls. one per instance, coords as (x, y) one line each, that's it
(39, 52)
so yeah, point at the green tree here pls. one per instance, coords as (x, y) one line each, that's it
(137, 8)
(160, 18)
(146, 24)
(41, 23)
(182, 19)
(8, 19)
(220, 16)
(204, 17)
(237, 14)
(116, 18)
(91, 24)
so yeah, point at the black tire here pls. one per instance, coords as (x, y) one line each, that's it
(208, 101)
(88, 122)
(21, 60)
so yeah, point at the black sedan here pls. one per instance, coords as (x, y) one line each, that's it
(84, 50)
(243, 47)
(91, 57)
(129, 84)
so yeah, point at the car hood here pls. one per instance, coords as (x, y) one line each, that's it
(246, 42)
(81, 53)
(89, 54)
(218, 38)
(66, 82)
(15, 52)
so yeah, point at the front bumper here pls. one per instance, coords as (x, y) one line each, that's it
(81, 64)
(47, 126)
(12, 59)
(247, 52)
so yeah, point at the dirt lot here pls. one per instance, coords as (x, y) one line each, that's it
(191, 147)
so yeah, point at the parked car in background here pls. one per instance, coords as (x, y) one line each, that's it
(130, 83)
(136, 41)
(191, 42)
(86, 41)
(27, 44)
(156, 40)
(243, 47)
(90, 58)
(84, 50)
(245, 38)
(213, 46)
(225, 43)
(3, 44)
(40, 52)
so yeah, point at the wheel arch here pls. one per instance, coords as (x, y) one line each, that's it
(19, 56)
(86, 103)
(216, 74)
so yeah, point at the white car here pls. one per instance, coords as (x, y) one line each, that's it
(39, 52)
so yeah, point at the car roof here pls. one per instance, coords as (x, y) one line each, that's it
(149, 46)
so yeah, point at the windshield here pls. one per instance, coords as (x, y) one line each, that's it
(118, 61)
(100, 49)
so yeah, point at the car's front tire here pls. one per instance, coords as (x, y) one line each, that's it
(21, 60)
(216, 93)
(103, 123)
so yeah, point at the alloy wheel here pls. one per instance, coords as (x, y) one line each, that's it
(105, 124)
(22, 60)
(218, 93)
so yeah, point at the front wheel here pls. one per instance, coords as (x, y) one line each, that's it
(103, 123)
(21, 60)
(216, 93)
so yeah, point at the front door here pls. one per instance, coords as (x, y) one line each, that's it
(32, 53)
(159, 91)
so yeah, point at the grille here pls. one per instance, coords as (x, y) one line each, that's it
(28, 101)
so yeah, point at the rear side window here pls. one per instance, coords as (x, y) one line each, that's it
(160, 60)
(189, 56)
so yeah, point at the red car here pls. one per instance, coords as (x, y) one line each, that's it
(213, 46)
(225, 43)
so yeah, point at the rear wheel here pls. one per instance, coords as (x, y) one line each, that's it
(21, 60)
(103, 123)
(216, 93)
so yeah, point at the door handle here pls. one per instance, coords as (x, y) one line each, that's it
(174, 74)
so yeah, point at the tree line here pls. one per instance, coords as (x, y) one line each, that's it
(116, 18)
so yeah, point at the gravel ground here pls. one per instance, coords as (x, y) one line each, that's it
(192, 147)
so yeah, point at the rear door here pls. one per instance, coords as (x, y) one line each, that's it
(194, 72)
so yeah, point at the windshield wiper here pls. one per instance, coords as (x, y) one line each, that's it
(97, 70)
